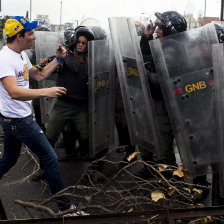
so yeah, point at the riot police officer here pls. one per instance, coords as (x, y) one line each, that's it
(167, 23)
(73, 107)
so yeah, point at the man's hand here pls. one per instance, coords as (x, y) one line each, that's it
(55, 91)
(150, 28)
(61, 51)
(43, 62)
(11, 86)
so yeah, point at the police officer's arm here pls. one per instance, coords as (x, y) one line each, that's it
(49, 68)
(147, 56)
(10, 84)
(146, 37)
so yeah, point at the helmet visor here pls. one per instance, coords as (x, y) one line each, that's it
(158, 23)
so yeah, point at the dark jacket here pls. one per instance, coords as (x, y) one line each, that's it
(73, 76)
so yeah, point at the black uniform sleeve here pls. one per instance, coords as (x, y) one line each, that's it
(146, 53)
(144, 44)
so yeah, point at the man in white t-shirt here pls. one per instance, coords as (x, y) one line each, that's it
(15, 103)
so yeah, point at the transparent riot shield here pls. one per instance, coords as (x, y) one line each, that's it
(32, 55)
(45, 46)
(4, 37)
(101, 83)
(1, 43)
(218, 57)
(134, 86)
(185, 70)
(46, 43)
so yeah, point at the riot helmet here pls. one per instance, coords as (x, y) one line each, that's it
(170, 22)
(99, 33)
(220, 32)
(68, 36)
(42, 28)
(81, 31)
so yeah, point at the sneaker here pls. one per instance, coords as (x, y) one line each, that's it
(77, 213)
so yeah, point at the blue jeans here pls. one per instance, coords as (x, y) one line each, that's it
(26, 130)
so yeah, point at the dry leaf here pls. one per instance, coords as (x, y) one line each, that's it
(88, 199)
(162, 167)
(179, 171)
(198, 193)
(130, 210)
(187, 175)
(210, 218)
(170, 191)
(187, 189)
(196, 190)
(157, 195)
(132, 156)
(181, 166)
(199, 220)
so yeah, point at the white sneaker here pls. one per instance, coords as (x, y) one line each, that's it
(78, 213)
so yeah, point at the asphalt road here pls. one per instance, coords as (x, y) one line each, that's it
(17, 184)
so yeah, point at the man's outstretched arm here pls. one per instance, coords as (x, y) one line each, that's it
(10, 84)
(49, 68)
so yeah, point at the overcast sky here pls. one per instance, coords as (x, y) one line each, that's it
(100, 10)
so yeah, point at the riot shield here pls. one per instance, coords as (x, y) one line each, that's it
(184, 67)
(134, 86)
(101, 83)
(46, 43)
(1, 43)
(89, 22)
(45, 46)
(4, 37)
(31, 55)
(217, 57)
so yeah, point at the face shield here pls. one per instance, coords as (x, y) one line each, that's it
(158, 23)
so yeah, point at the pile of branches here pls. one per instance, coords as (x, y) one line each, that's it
(122, 189)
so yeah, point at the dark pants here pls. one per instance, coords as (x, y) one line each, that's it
(27, 131)
(74, 112)
(166, 154)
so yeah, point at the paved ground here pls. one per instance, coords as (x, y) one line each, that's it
(13, 186)
(16, 184)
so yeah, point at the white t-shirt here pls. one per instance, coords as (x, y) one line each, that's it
(18, 65)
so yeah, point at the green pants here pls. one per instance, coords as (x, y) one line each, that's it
(64, 112)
